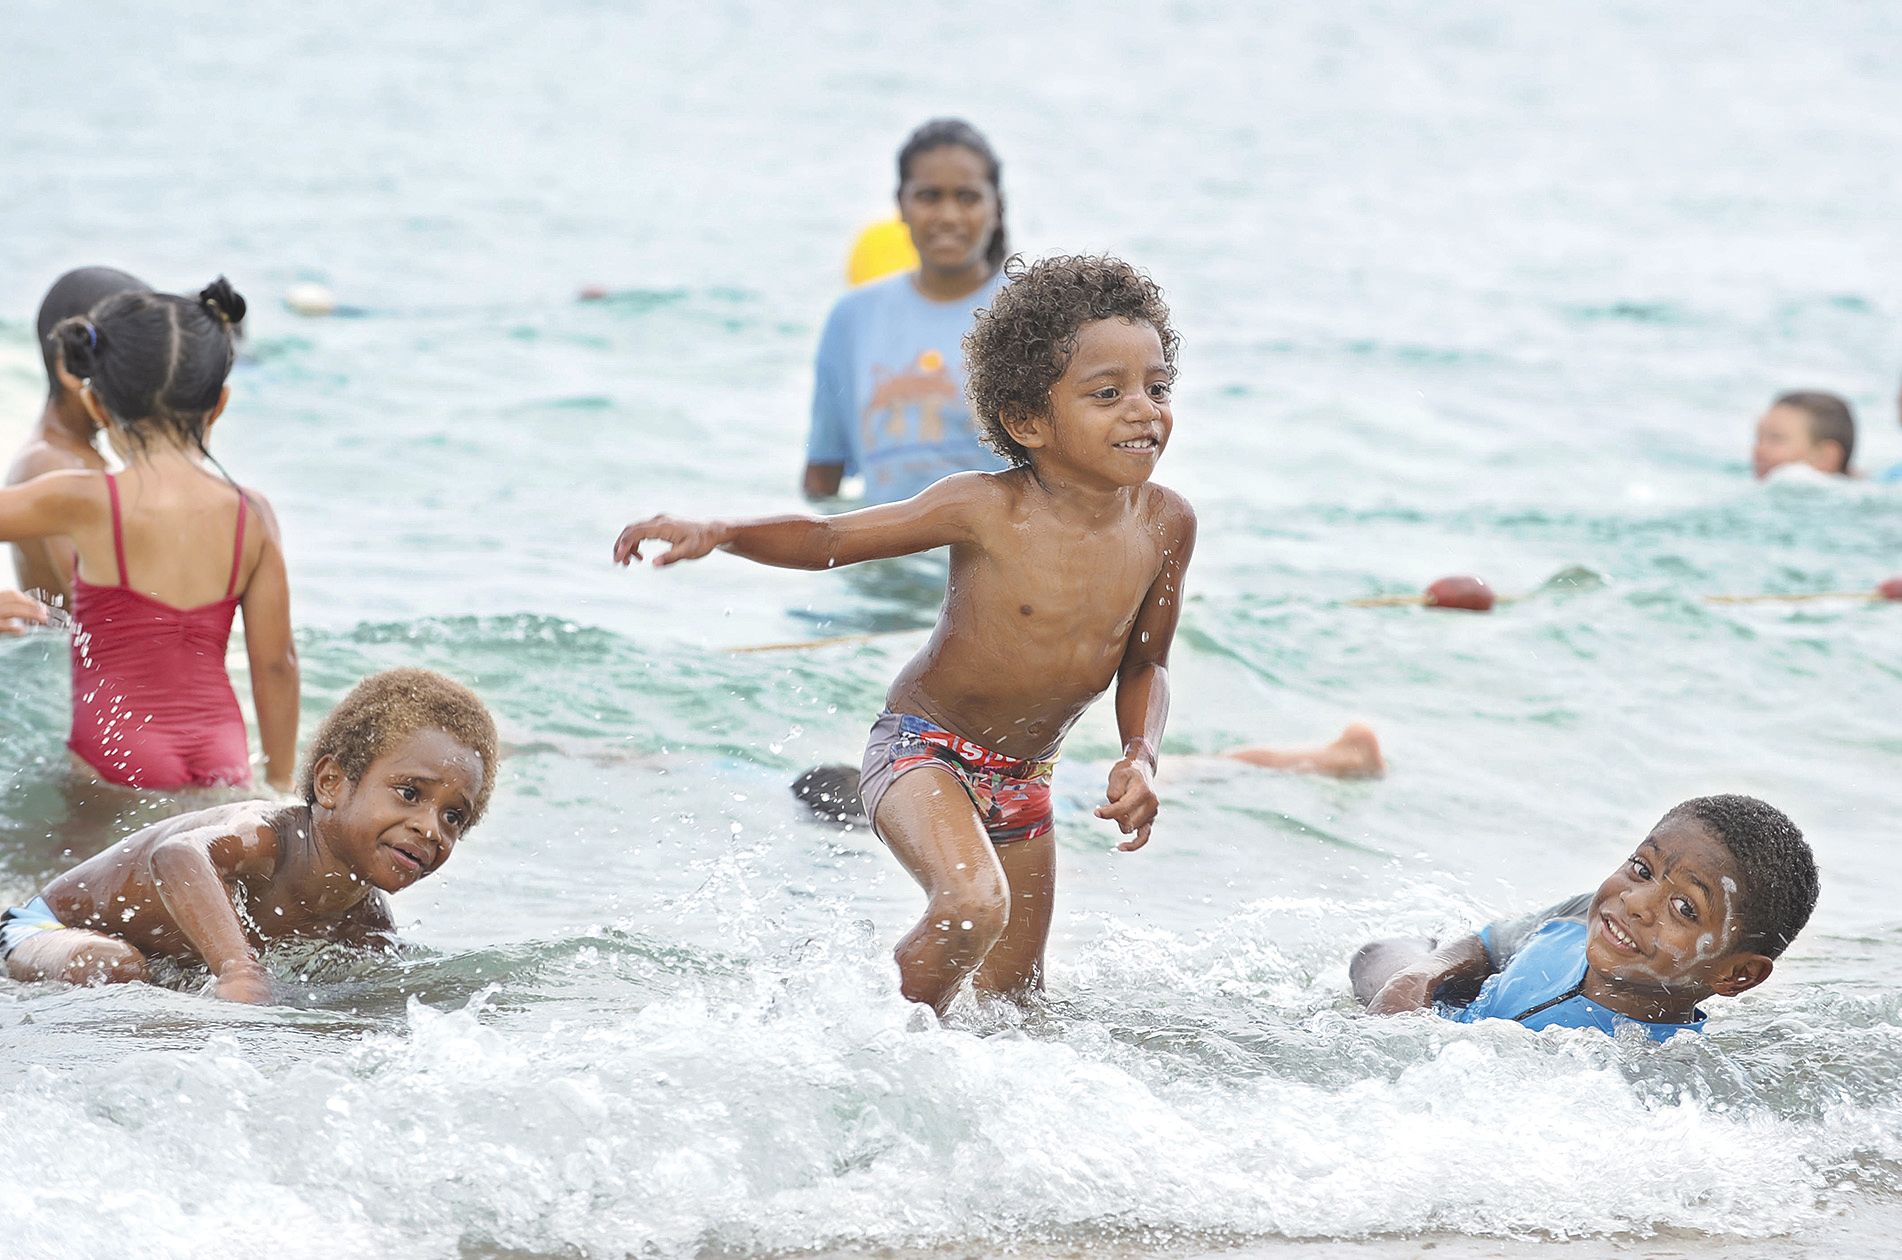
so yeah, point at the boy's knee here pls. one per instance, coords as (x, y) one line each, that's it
(981, 912)
(116, 963)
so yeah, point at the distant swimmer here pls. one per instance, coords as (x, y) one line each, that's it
(1353, 754)
(1805, 427)
(888, 392)
(63, 437)
(1707, 903)
(1066, 576)
(167, 551)
(398, 774)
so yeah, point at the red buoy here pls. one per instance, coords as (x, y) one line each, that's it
(1890, 588)
(1462, 591)
(594, 293)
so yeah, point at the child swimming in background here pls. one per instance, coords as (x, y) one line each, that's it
(1066, 575)
(1711, 898)
(63, 436)
(398, 774)
(167, 552)
(1805, 427)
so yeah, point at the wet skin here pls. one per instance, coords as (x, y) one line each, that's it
(219, 884)
(62, 440)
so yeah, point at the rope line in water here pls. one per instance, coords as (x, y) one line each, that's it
(1463, 593)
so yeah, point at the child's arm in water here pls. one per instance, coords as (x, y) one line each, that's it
(188, 874)
(938, 516)
(272, 651)
(1142, 684)
(1410, 975)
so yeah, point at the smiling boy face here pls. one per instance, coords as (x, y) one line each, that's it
(1669, 919)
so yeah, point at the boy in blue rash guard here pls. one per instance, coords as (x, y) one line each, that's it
(1712, 896)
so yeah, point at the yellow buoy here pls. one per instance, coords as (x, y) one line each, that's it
(883, 249)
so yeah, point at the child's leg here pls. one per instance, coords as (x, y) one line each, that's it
(76, 956)
(928, 821)
(1015, 963)
(1354, 754)
(1377, 962)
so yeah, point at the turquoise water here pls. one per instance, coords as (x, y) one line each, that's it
(1498, 290)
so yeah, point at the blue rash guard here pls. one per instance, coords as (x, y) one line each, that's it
(1538, 968)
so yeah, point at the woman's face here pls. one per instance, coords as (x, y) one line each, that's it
(948, 203)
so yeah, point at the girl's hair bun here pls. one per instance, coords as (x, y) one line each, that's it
(76, 339)
(225, 303)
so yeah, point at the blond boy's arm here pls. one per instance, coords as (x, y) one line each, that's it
(941, 515)
(1142, 684)
(188, 872)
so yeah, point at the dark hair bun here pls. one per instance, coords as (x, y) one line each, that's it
(76, 342)
(225, 303)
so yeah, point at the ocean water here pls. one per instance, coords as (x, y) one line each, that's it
(1492, 289)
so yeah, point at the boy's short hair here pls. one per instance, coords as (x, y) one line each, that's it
(1776, 868)
(385, 707)
(1023, 341)
(1831, 420)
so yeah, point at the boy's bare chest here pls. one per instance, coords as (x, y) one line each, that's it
(1075, 583)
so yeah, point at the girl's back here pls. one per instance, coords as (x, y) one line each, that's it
(166, 554)
(152, 703)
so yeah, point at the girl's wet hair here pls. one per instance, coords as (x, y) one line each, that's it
(941, 133)
(157, 362)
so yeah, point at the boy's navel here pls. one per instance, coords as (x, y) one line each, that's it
(1025, 609)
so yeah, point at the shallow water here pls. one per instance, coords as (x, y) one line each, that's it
(1498, 290)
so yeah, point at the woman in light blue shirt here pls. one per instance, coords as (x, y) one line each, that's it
(888, 400)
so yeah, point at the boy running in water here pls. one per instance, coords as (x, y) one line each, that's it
(1066, 575)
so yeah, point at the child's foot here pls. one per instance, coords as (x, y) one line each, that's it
(832, 792)
(1354, 754)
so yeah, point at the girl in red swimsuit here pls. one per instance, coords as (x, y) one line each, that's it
(167, 552)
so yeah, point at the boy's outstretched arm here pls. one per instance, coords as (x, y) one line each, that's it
(1142, 686)
(189, 871)
(1461, 964)
(937, 516)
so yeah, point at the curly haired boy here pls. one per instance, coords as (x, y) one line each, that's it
(1066, 575)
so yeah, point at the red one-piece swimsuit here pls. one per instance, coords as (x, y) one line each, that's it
(152, 705)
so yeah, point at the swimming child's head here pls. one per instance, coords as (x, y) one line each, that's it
(1718, 890)
(154, 364)
(75, 294)
(1074, 348)
(400, 771)
(1805, 427)
(951, 195)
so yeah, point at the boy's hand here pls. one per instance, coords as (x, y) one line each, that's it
(690, 539)
(1132, 801)
(244, 982)
(1410, 989)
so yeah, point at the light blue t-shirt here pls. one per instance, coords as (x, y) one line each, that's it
(1539, 964)
(888, 401)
